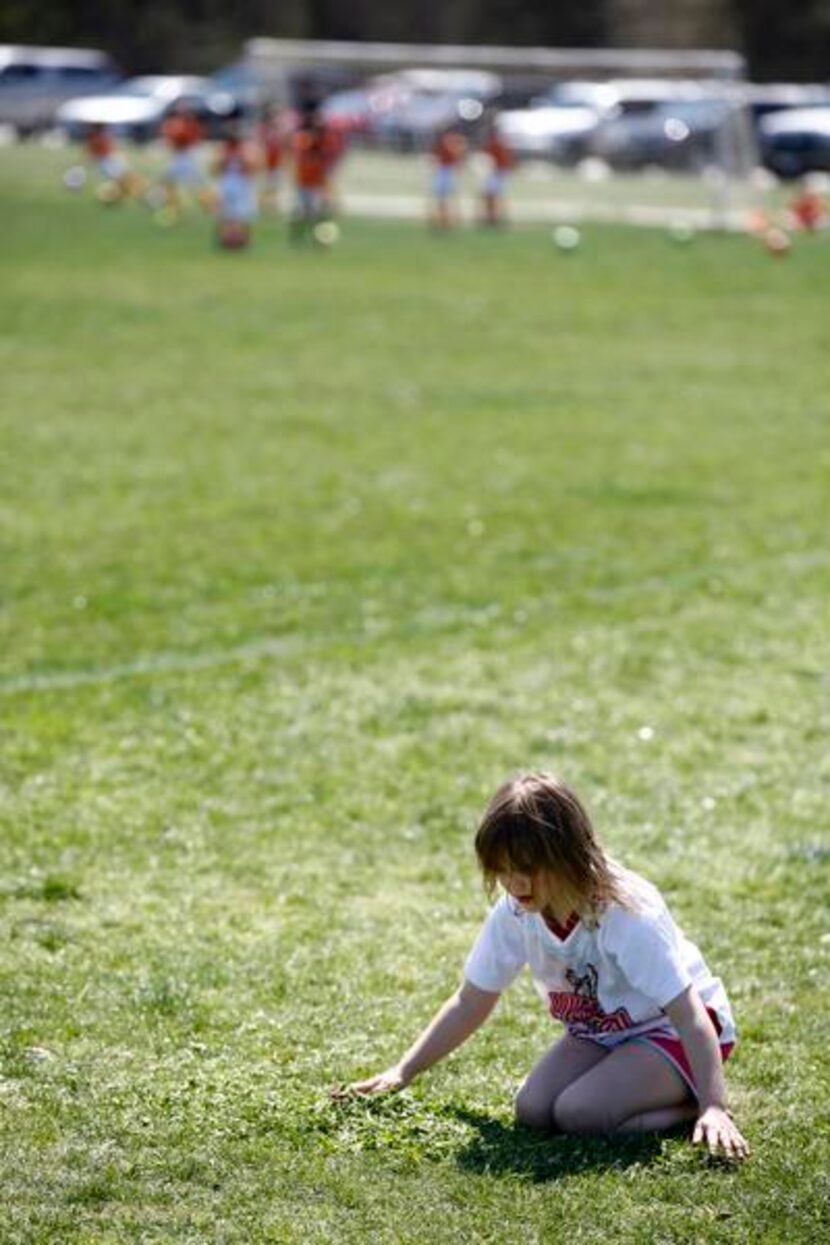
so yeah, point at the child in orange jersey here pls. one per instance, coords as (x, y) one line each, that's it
(183, 133)
(313, 156)
(501, 161)
(448, 153)
(809, 210)
(236, 167)
(111, 164)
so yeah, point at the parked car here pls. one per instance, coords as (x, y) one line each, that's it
(796, 141)
(681, 136)
(625, 95)
(561, 124)
(137, 108)
(763, 98)
(429, 101)
(35, 81)
(547, 131)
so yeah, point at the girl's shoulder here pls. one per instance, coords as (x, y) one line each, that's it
(639, 902)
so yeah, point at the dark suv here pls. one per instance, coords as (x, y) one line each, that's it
(796, 142)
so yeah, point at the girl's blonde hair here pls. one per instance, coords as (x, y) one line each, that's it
(535, 823)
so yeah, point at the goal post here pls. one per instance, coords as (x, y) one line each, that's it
(277, 59)
(716, 193)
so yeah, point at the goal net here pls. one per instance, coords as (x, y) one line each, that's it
(646, 136)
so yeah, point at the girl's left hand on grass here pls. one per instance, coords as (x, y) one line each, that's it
(386, 1082)
(716, 1129)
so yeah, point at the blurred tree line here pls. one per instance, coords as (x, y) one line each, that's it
(781, 41)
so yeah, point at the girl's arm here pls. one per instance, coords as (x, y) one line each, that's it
(457, 1020)
(714, 1123)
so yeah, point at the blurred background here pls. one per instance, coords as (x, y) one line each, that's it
(778, 41)
(718, 100)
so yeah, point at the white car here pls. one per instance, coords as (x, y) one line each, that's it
(135, 109)
(35, 81)
(546, 131)
(561, 124)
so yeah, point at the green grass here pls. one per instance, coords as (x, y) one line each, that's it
(303, 554)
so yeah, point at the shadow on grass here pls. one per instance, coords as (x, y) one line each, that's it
(501, 1149)
(407, 1128)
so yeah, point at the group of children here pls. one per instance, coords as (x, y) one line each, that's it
(229, 184)
(247, 169)
(449, 154)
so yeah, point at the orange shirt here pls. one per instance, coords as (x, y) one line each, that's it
(808, 209)
(449, 150)
(182, 132)
(498, 151)
(100, 144)
(312, 158)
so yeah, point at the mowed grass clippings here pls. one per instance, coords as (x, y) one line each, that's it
(304, 552)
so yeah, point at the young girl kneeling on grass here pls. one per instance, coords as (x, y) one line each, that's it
(647, 1025)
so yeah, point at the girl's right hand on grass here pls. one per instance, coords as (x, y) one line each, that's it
(716, 1130)
(387, 1082)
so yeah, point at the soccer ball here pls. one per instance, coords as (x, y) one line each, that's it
(326, 233)
(681, 232)
(777, 242)
(566, 238)
(74, 178)
(109, 193)
(232, 236)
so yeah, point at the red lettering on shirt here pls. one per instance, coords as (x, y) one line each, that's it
(583, 1014)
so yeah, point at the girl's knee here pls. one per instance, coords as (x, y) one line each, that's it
(532, 1110)
(575, 1112)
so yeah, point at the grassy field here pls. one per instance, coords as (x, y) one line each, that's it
(304, 552)
(537, 191)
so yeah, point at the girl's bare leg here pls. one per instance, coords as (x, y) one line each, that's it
(563, 1064)
(634, 1089)
(659, 1121)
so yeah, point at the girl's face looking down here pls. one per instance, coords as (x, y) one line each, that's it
(536, 840)
(520, 887)
(536, 892)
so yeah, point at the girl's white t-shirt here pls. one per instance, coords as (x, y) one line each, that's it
(608, 980)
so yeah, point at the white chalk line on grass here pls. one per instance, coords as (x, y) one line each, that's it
(269, 648)
(158, 663)
(409, 207)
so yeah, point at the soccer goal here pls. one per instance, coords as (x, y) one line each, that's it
(648, 136)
